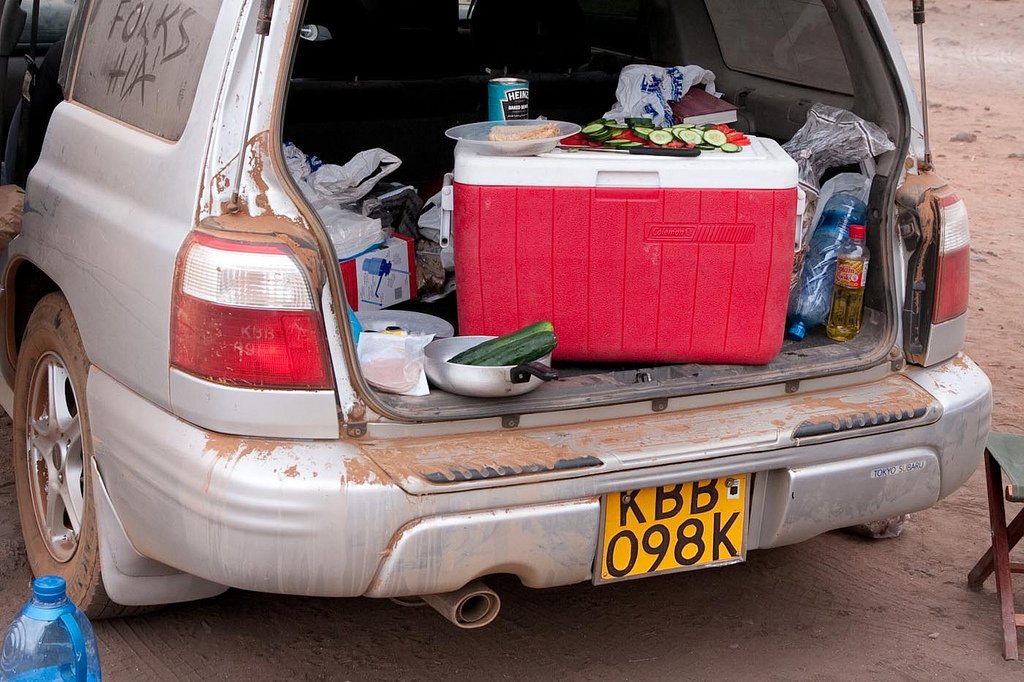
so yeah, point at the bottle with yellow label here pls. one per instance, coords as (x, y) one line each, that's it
(848, 294)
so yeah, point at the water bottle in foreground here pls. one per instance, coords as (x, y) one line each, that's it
(811, 305)
(50, 640)
(848, 294)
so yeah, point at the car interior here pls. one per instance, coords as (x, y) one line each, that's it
(354, 92)
(16, 35)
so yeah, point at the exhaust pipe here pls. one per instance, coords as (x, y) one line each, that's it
(474, 606)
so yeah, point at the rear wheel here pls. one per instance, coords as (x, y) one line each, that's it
(53, 457)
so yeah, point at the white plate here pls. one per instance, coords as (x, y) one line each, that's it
(474, 136)
(410, 321)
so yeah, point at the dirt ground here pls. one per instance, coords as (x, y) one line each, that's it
(836, 607)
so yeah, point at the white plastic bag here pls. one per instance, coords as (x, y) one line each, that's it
(333, 190)
(429, 224)
(299, 165)
(353, 181)
(394, 363)
(645, 91)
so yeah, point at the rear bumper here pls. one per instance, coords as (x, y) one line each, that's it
(321, 518)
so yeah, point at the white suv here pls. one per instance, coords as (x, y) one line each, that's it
(189, 412)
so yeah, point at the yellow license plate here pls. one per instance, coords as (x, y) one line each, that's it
(674, 528)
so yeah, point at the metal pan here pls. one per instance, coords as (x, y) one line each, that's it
(482, 382)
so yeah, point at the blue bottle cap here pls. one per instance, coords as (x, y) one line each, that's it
(797, 331)
(50, 589)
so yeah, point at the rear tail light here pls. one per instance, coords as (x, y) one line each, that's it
(953, 276)
(244, 314)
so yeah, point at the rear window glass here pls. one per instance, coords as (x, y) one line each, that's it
(788, 40)
(141, 60)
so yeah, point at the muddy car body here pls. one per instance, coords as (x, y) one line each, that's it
(169, 477)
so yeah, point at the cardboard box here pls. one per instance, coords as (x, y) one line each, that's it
(382, 277)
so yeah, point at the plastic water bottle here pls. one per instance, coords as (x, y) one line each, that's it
(811, 305)
(50, 640)
(357, 328)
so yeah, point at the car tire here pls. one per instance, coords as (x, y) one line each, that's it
(52, 440)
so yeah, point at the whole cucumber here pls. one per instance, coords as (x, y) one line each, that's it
(483, 353)
(525, 350)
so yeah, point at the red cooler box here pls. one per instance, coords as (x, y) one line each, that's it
(633, 258)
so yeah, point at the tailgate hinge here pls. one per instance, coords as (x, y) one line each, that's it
(355, 429)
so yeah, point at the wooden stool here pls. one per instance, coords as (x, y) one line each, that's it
(1004, 455)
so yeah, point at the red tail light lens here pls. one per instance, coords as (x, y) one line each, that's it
(953, 281)
(244, 315)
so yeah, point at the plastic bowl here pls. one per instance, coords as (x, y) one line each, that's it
(474, 136)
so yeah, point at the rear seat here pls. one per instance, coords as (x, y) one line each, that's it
(529, 35)
(337, 119)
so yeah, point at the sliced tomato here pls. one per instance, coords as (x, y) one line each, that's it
(576, 140)
(734, 135)
(676, 144)
(743, 142)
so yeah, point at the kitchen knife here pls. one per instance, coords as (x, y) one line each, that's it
(640, 151)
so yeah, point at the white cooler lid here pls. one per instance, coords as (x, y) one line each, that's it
(762, 165)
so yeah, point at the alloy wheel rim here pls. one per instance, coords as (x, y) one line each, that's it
(56, 465)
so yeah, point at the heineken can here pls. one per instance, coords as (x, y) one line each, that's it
(508, 99)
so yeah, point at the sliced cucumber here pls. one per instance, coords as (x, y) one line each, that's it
(683, 126)
(620, 143)
(643, 122)
(594, 129)
(661, 137)
(643, 131)
(730, 148)
(707, 147)
(690, 136)
(715, 137)
(630, 145)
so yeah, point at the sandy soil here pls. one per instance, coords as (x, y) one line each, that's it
(836, 607)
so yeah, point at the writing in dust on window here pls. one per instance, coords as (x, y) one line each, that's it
(149, 36)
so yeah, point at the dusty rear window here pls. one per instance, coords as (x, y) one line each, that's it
(141, 61)
(788, 40)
